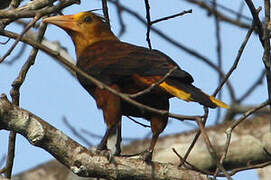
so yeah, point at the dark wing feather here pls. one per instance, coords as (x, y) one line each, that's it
(115, 61)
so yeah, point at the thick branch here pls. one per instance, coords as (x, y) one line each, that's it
(78, 158)
(251, 133)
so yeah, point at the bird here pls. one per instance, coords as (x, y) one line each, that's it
(128, 69)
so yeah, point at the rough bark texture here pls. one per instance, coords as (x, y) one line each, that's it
(79, 159)
(250, 129)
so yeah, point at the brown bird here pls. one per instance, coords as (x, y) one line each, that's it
(128, 69)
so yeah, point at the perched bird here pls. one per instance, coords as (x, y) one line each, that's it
(129, 69)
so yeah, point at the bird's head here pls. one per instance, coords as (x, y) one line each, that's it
(85, 28)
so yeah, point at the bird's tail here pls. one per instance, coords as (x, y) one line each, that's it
(188, 92)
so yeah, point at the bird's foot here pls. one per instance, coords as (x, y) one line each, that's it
(106, 153)
(146, 156)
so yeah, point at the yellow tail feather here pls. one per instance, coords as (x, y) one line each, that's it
(218, 102)
(187, 96)
(176, 92)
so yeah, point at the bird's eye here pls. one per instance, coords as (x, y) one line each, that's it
(87, 19)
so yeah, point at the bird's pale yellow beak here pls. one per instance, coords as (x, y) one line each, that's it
(66, 22)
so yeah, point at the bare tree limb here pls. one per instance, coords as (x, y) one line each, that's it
(252, 133)
(37, 17)
(148, 17)
(78, 158)
(172, 16)
(236, 61)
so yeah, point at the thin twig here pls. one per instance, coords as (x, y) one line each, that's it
(219, 55)
(222, 17)
(75, 132)
(17, 83)
(237, 59)
(236, 123)
(5, 42)
(37, 17)
(11, 153)
(96, 136)
(105, 12)
(256, 166)
(211, 148)
(143, 125)
(91, 134)
(15, 94)
(2, 161)
(147, 90)
(148, 17)
(248, 113)
(231, 173)
(17, 56)
(190, 166)
(121, 22)
(172, 16)
(238, 13)
(204, 119)
(256, 19)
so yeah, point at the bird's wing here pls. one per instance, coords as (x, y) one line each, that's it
(113, 61)
(116, 62)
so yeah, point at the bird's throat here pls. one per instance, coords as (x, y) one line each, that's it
(82, 41)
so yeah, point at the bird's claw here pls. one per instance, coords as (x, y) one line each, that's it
(106, 153)
(146, 156)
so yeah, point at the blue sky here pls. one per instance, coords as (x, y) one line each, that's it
(51, 93)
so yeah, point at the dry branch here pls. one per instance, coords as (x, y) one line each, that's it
(78, 158)
(250, 133)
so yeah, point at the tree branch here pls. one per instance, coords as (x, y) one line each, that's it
(252, 133)
(78, 158)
